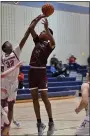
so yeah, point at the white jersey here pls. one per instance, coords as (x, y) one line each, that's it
(10, 61)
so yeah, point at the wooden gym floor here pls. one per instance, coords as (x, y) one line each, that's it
(66, 120)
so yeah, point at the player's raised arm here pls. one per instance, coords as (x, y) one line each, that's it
(30, 30)
(26, 35)
(33, 24)
(50, 34)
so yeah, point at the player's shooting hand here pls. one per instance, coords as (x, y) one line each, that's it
(45, 23)
(42, 15)
(35, 21)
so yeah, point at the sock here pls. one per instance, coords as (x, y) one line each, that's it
(38, 120)
(50, 119)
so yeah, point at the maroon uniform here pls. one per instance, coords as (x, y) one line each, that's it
(38, 61)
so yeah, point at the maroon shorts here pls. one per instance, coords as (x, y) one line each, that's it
(37, 79)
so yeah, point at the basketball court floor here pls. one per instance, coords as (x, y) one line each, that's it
(66, 120)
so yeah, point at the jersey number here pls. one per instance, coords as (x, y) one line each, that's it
(10, 63)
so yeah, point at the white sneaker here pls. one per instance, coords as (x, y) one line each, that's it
(51, 129)
(16, 123)
(41, 128)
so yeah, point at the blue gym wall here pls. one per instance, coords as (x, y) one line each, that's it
(70, 23)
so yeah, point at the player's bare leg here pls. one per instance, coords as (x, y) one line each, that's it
(5, 131)
(10, 116)
(47, 103)
(4, 123)
(10, 110)
(36, 105)
(51, 128)
(13, 120)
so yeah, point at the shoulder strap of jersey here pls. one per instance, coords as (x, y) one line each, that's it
(16, 56)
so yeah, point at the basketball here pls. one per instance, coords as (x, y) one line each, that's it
(47, 9)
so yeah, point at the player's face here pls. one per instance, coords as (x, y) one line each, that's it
(8, 49)
(43, 36)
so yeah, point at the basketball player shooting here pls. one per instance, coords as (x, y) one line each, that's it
(10, 82)
(44, 45)
(84, 104)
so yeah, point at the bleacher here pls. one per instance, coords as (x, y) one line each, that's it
(82, 71)
(56, 86)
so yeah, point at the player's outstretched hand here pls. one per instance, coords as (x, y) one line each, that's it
(45, 23)
(36, 20)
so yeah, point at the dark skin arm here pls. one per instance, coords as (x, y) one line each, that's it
(24, 39)
(30, 30)
(34, 23)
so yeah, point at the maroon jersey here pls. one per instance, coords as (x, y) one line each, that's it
(40, 53)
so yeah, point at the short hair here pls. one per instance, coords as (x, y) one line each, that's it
(51, 31)
(4, 45)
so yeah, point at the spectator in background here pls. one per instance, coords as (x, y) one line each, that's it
(59, 69)
(72, 59)
(54, 60)
(53, 70)
(73, 65)
(20, 79)
(62, 69)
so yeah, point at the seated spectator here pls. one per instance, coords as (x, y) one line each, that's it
(54, 60)
(20, 79)
(54, 72)
(58, 72)
(62, 69)
(73, 65)
(72, 59)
